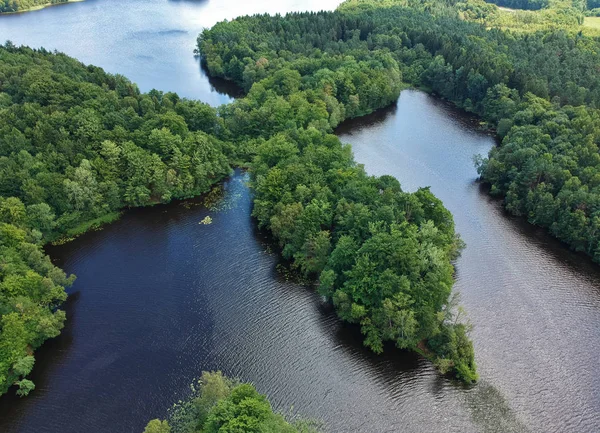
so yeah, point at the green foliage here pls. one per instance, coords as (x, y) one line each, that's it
(222, 405)
(23, 5)
(30, 290)
(383, 256)
(300, 70)
(157, 426)
(25, 387)
(76, 146)
(540, 89)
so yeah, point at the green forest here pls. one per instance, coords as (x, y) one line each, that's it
(78, 145)
(219, 404)
(382, 256)
(537, 85)
(24, 5)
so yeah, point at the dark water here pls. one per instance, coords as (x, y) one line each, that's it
(151, 42)
(534, 304)
(160, 297)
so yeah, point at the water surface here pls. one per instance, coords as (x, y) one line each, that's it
(151, 42)
(535, 305)
(160, 297)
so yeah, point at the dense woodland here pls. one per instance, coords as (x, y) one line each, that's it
(382, 256)
(23, 5)
(538, 86)
(219, 404)
(76, 146)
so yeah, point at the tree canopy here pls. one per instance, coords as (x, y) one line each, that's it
(538, 86)
(381, 255)
(219, 405)
(76, 146)
(23, 5)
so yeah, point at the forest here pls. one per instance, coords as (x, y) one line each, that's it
(220, 404)
(24, 5)
(76, 146)
(382, 256)
(537, 86)
(79, 145)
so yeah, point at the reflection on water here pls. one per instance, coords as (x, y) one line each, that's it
(535, 305)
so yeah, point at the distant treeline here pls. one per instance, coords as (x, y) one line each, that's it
(219, 404)
(23, 5)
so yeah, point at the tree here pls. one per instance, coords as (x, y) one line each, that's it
(157, 426)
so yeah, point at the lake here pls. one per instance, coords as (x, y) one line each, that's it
(160, 297)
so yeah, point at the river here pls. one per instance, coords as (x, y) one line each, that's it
(160, 297)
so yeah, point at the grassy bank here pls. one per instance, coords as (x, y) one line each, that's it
(86, 226)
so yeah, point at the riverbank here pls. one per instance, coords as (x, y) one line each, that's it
(101, 221)
(39, 7)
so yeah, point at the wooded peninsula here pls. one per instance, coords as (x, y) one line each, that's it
(78, 145)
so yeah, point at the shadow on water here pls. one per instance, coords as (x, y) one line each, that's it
(577, 262)
(375, 118)
(490, 410)
(219, 85)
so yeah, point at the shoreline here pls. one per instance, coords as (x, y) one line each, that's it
(39, 7)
